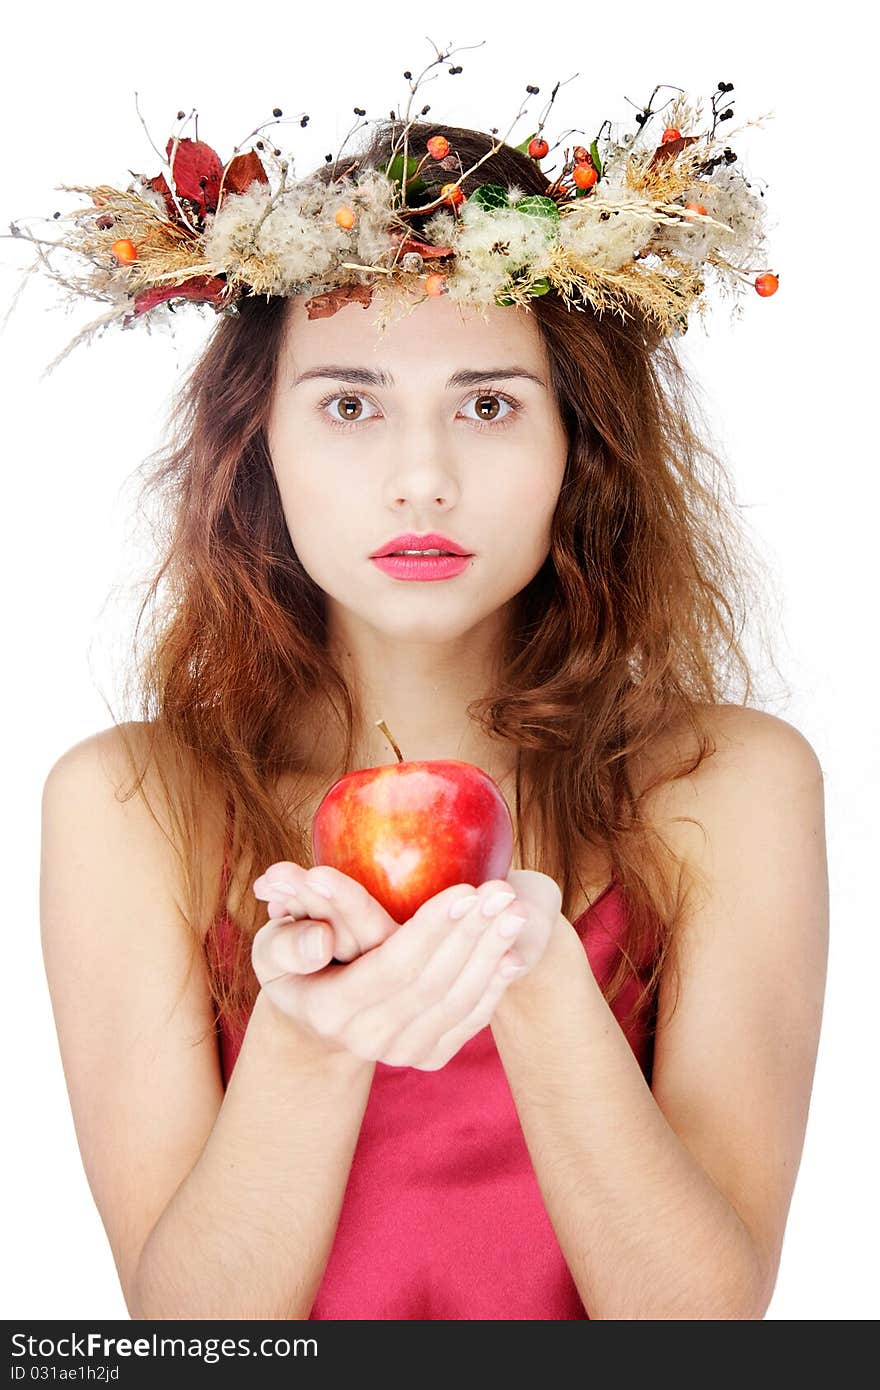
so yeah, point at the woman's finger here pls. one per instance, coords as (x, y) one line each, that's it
(288, 947)
(451, 1042)
(467, 990)
(358, 920)
(384, 991)
(286, 905)
(284, 898)
(347, 946)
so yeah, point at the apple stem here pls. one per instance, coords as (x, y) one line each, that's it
(380, 724)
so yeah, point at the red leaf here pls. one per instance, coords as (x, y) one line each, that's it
(201, 288)
(321, 306)
(159, 185)
(424, 248)
(193, 162)
(242, 172)
(670, 149)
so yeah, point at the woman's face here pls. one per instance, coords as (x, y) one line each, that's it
(443, 423)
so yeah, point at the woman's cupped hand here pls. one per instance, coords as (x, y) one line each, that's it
(334, 960)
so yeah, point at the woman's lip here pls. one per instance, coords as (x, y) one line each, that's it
(421, 567)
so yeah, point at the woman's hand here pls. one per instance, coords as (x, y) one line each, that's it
(350, 921)
(338, 927)
(429, 986)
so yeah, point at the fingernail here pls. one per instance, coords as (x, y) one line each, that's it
(495, 902)
(461, 906)
(312, 943)
(511, 925)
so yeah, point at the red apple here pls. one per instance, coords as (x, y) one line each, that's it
(407, 830)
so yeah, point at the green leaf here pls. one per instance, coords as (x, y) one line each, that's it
(594, 155)
(490, 196)
(524, 147)
(539, 287)
(537, 205)
(394, 171)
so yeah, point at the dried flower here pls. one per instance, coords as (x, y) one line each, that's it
(612, 230)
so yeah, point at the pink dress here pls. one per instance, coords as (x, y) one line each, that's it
(442, 1216)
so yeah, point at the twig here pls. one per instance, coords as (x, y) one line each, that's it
(170, 167)
(496, 146)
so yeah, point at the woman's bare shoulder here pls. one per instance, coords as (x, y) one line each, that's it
(736, 733)
(685, 798)
(126, 756)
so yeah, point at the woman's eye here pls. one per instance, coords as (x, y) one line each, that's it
(488, 406)
(493, 409)
(349, 408)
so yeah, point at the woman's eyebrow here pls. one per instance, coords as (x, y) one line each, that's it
(366, 376)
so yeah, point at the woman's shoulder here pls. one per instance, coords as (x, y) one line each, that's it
(127, 754)
(738, 736)
(113, 747)
(103, 762)
(126, 763)
(751, 754)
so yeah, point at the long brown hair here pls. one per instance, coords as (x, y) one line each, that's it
(632, 626)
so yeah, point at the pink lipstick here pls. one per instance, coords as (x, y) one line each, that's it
(421, 566)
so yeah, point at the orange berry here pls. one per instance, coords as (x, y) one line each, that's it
(538, 147)
(438, 147)
(435, 283)
(344, 217)
(767, 283)
(696, 207)
(584, 175)
(124, 250)
(670, 133)
(451, 194)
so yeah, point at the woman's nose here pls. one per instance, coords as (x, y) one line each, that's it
(422, 472)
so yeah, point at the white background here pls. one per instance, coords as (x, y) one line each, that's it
(786, 385)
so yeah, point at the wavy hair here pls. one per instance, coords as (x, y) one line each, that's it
(633, 626)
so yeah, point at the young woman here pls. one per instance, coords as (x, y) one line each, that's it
(579, 1090)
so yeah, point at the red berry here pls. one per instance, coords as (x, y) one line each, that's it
(670, 133)
(450, 193)
(124, 250)
(584, 175)
(767, 284)
(538, 148)
(696, 207)
(438, 147)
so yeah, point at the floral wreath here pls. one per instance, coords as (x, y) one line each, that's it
(631, 222)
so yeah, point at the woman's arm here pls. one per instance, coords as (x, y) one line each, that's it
(215, 1206)
(249, 1231)
(670, 1202)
